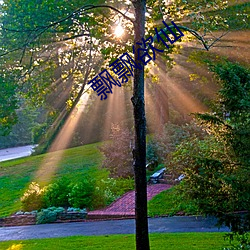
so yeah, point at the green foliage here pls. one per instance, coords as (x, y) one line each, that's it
(39, 131)
(73, 209)
(21, 132)
(243, 242)
(118, 153)
(171, 202)
(91, 193)
(103, 193)
(216, 168)
(205, 175)
(152, 156)
(8, 105)
(108, 190)
(32, 198)
(56, 194)
(166, 141)
(48, 215)
(236, 16)
(81, 194)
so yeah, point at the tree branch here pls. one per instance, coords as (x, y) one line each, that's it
(195, 34)
(113, 8)
(42, 29)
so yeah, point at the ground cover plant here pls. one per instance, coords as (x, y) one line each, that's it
(170, 241)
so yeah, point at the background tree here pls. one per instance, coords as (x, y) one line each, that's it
(8, 105)
(118, 155)
(217, 168)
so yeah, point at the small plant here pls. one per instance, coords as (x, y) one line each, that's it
(33, 197)
(243, 242)
(48, 215)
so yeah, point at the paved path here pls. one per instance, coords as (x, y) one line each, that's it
(14, 153)
(125, 206)
(156, 225)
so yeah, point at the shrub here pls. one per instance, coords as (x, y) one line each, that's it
(48, 215)
(109, 189)
(33, 197)
(123, 185)
(243, 242)
(103, 194)
(81, 194)
(57, 193)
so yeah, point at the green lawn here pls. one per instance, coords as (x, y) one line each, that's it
(169, 202)
(170, 241)
(16, 175)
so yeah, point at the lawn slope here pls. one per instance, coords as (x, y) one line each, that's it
(16, 175)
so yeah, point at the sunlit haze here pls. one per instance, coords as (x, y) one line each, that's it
(119, 30)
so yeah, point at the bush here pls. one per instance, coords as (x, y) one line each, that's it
(103, 194)
(48, 215)
(243, 242)
(33, 198)
(123, 185)
(109, 189)
(57, 193)
(81, 194)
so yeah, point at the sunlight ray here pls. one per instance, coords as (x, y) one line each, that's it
(51, 161)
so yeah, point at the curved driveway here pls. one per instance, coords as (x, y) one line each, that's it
(156, 225)
(17, 152)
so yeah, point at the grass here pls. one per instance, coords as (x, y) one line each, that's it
(169, 203)
(170, 241)
(16, 175)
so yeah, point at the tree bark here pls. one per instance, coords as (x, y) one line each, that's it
(139, 151)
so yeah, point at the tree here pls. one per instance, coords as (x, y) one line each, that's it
(8, 105)
(217, 168)
(139, 151)
(118, 156)
(82, 18)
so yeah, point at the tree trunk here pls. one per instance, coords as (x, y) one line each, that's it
(139, 151)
